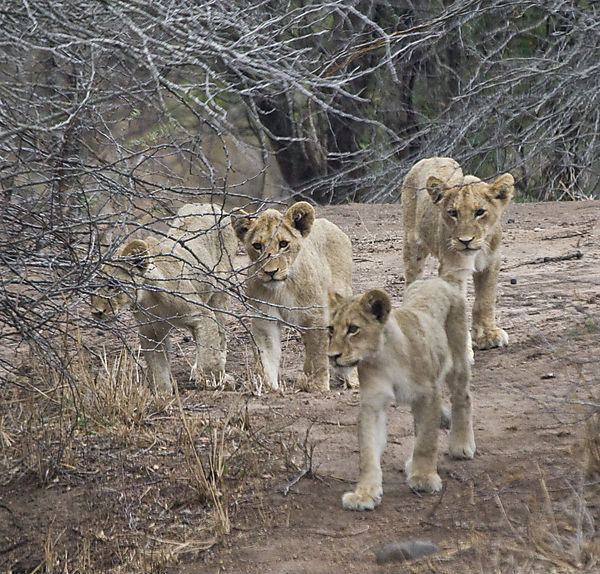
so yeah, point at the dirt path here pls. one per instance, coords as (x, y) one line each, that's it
(494, 513)
(519, 506)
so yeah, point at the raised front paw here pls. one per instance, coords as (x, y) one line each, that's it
(422, 480)
(490, 338)
(363, 498)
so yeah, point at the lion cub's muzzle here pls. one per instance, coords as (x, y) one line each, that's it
(99, 314)
(104, 316)
(272, 275)
(466, 245)
(339, 363)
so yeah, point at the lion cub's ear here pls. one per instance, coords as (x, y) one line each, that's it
(241, 222)
(136, 253)
(378, 303)
(436, 188)
(503, 188)
(334, 299)
(301, 215)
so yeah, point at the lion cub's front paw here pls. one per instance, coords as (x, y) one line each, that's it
(362, 498)
(462, 450)
(262, 384)
(491, 338)
(422, 481)
(315, 384)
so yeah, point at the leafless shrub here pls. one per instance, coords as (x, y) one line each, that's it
(112, 115)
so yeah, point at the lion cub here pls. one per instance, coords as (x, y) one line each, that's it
(295, 260)
(456, 218)
(175, 281)
(404, 355)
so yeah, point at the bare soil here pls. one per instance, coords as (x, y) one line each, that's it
(522, 505)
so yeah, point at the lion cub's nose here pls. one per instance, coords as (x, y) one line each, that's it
(465, 240)
(335, 357)
(98, 313)
(271, 273)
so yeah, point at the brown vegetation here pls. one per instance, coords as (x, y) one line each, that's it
(99, 475)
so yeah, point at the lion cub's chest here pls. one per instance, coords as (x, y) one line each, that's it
(386, 382)
(406, 367)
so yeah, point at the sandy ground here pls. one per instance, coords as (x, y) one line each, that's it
(522, 505)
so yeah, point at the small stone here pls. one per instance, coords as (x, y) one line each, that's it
(513, 281)
(511, 220)
(402, 551)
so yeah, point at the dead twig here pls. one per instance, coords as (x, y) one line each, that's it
(286, 489)
(564, 236)
(548, 259)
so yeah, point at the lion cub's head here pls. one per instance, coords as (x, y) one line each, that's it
(471, 211)
(115, 291)
(273, 241)
(355, 326)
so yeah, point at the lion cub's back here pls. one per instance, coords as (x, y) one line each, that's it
(207, 232)
(333, 248)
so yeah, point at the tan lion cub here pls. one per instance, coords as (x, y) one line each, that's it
(456, 218)
(296, 259)
(175, 281)
(405, 354)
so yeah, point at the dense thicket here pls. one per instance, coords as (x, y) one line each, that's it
(112, 112)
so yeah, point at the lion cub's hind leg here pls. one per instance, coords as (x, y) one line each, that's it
(316, 363)
(155, 346)
(414, 256)
(211, 349)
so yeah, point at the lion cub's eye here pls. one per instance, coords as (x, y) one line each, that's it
(330, 329)
(352, 329)
(479, 212)
(257, 246)
(283, 244)
(453, 213)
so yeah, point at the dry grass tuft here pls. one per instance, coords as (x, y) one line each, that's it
(159, 471)
(561, 528)
(116, 396)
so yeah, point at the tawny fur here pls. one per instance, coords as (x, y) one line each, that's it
(457, 219)
(175, 281)
(405, 355)
(295, 260)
